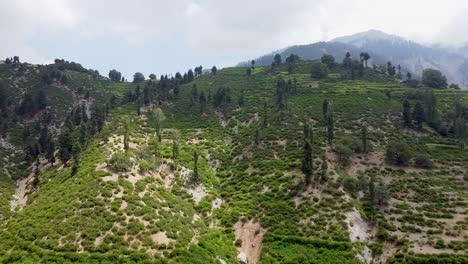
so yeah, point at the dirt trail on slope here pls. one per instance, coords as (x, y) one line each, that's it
(251, 235)
(21, 194)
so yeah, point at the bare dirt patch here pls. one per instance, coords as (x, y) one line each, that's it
(251, 235)
(161, 238)
(359, 230)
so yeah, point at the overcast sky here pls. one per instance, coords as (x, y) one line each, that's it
(154, 36)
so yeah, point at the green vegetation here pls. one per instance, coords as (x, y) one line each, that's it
(169, 170)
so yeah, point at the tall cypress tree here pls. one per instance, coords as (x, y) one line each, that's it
(325, 110)
(330, 125)
(418, 115)
(195, 166)
(307, 160)
(406, 114)
(365, 147)
(50, 152)
(126, 137)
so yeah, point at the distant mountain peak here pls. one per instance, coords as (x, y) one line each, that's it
(359, 39)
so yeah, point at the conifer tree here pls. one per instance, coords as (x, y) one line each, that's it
(372, 193)
(265, 115)
(203, 102)
(307, 160)
(325, 109)
(126, 138)
(330, 125)
(460, 132)
(364, 142)
(175, 145)
(156, 118)
(323, 171)
(418, 115)
(257, 136)
(50, 154)
(195, 166)
(406, 114)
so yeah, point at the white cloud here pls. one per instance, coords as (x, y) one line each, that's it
(222, 28)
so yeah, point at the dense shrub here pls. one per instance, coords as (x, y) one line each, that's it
(397, 153)
(120, 162)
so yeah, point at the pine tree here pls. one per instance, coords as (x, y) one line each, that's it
(460, 132)
(265, 115)
(241, 98)
(44, 139)
(83, 134)
(406, 114)
(330, 125)
(325, 109)
(126, 137)
(50, 153)
(195, 166)
(138, 107)
(156, 118)
(203, 102)
(431, 108)
(175, 145)
(365, 147)
(418, 115)
(323, 171)
(307, 160)
(76, 149)
(257, 136)
(372, 193)
(65, 145)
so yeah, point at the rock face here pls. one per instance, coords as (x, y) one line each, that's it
(242, 258)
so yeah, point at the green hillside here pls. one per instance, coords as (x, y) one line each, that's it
(251, 167)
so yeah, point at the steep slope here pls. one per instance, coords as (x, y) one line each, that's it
(248, 199)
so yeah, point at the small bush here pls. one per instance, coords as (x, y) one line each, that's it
(423, 162)
(120, 162)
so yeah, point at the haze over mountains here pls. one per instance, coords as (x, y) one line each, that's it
(383, 47)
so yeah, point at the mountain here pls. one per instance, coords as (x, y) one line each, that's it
(411, 55)
(312, 52)
(229, 167)
(382, 47)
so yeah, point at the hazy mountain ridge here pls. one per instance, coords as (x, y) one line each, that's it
(384, 47)
(410, 54)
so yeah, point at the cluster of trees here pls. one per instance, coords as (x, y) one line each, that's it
(198, 71)
(351, 68)
(31, 104)
(12, 60)
(138, 77)
(116, 76)
(283, 90)
(291, 62)
(319, 70)
(276, 62)
(166, 88)
(220, 99)
(63, 65)
(434, 79)
(77, 131)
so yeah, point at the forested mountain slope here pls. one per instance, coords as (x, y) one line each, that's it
(257, 165)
